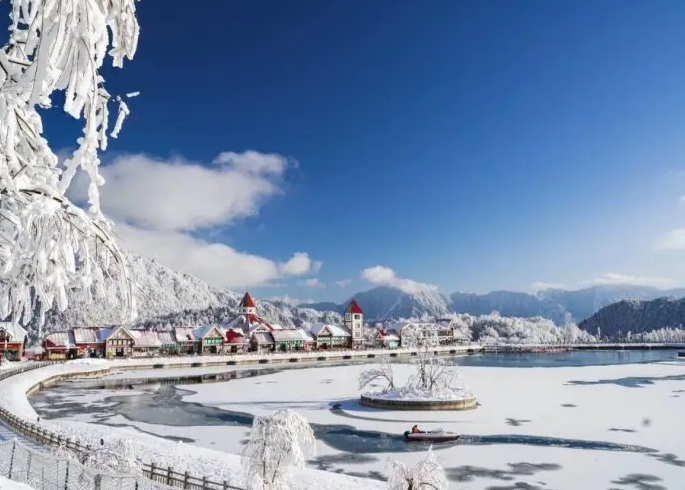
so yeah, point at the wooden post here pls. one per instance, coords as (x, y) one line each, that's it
(152, 471)
(204, 483)
(168, 475)
(186, 477)
(225, 485)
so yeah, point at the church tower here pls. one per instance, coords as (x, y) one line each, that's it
(247, 306)
(354, 322)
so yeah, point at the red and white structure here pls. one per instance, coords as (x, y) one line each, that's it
(354, 323)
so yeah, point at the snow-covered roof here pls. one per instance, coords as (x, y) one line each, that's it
(263, 337)
(166, 337)
(85, 336)
(391, 336)
(184, 334)
(60, 339)
(290, 334)
(249, 322)
(335, 330)
(145, 338)
(105, 333)
(16, 332)
(203, 330)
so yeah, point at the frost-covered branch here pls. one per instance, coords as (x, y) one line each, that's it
(279, 444)
(382, 372)
(48, 245)
(426, 474)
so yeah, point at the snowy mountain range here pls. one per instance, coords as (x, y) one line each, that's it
(170, 298)
(637, 316)
(558, 305)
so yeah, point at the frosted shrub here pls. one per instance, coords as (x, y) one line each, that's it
(426, 474)
(279, 444)
(49, 245)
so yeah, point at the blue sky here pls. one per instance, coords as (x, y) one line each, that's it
(466, 145)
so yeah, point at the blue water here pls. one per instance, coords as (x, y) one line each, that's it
(564, 359)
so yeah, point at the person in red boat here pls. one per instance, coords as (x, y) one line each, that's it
(415, 430)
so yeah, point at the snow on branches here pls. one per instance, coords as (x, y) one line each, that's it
(434, 379)
(382, 372)
(48, 245)
(279, 444)
(426, 474)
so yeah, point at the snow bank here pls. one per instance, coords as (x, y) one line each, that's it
(6, 484)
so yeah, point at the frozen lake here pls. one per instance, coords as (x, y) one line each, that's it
(600, 419)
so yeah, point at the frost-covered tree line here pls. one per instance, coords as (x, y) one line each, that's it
(49, 245)
(494, 329)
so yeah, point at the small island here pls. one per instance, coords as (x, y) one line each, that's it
(434, 386)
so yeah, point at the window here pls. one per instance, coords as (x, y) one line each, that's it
(348, 317)
(357, 316)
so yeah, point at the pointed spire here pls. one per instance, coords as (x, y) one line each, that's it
(247, 302)
(353, 307)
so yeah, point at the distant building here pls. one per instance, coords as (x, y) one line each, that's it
(12, 339)
(354, 323)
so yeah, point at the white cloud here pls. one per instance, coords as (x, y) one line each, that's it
(540, 286)
(314, 283)
(385, 276)
(252, 162)
(343, 283)
(622, 279)
(673, 240)
(156, 204)
(300, 264)
(183, 195)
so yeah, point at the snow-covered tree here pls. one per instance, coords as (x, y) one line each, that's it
(279, 444)
(382, 372)
(49, 245)
(426, 474)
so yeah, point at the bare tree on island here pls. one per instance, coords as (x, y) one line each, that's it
(432, 374)
(279, 444)
(383, 372)
(49, 246)
(426, 474)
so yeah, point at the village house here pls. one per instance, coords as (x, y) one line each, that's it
(210, 339)
(59, 346)
(12, 340)
(146, 343)
(185, 340)
(388, 339)
(261, 339)
(87, 342)
(235, 342)
(168, 341)
(118, 342)
(292, 339)
(353, 321)
(329, 336)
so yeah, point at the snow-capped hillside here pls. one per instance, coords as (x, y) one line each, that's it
(386, 302)
(166, 297)
(559, 305)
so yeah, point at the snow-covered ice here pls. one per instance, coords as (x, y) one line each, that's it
(564, 427)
